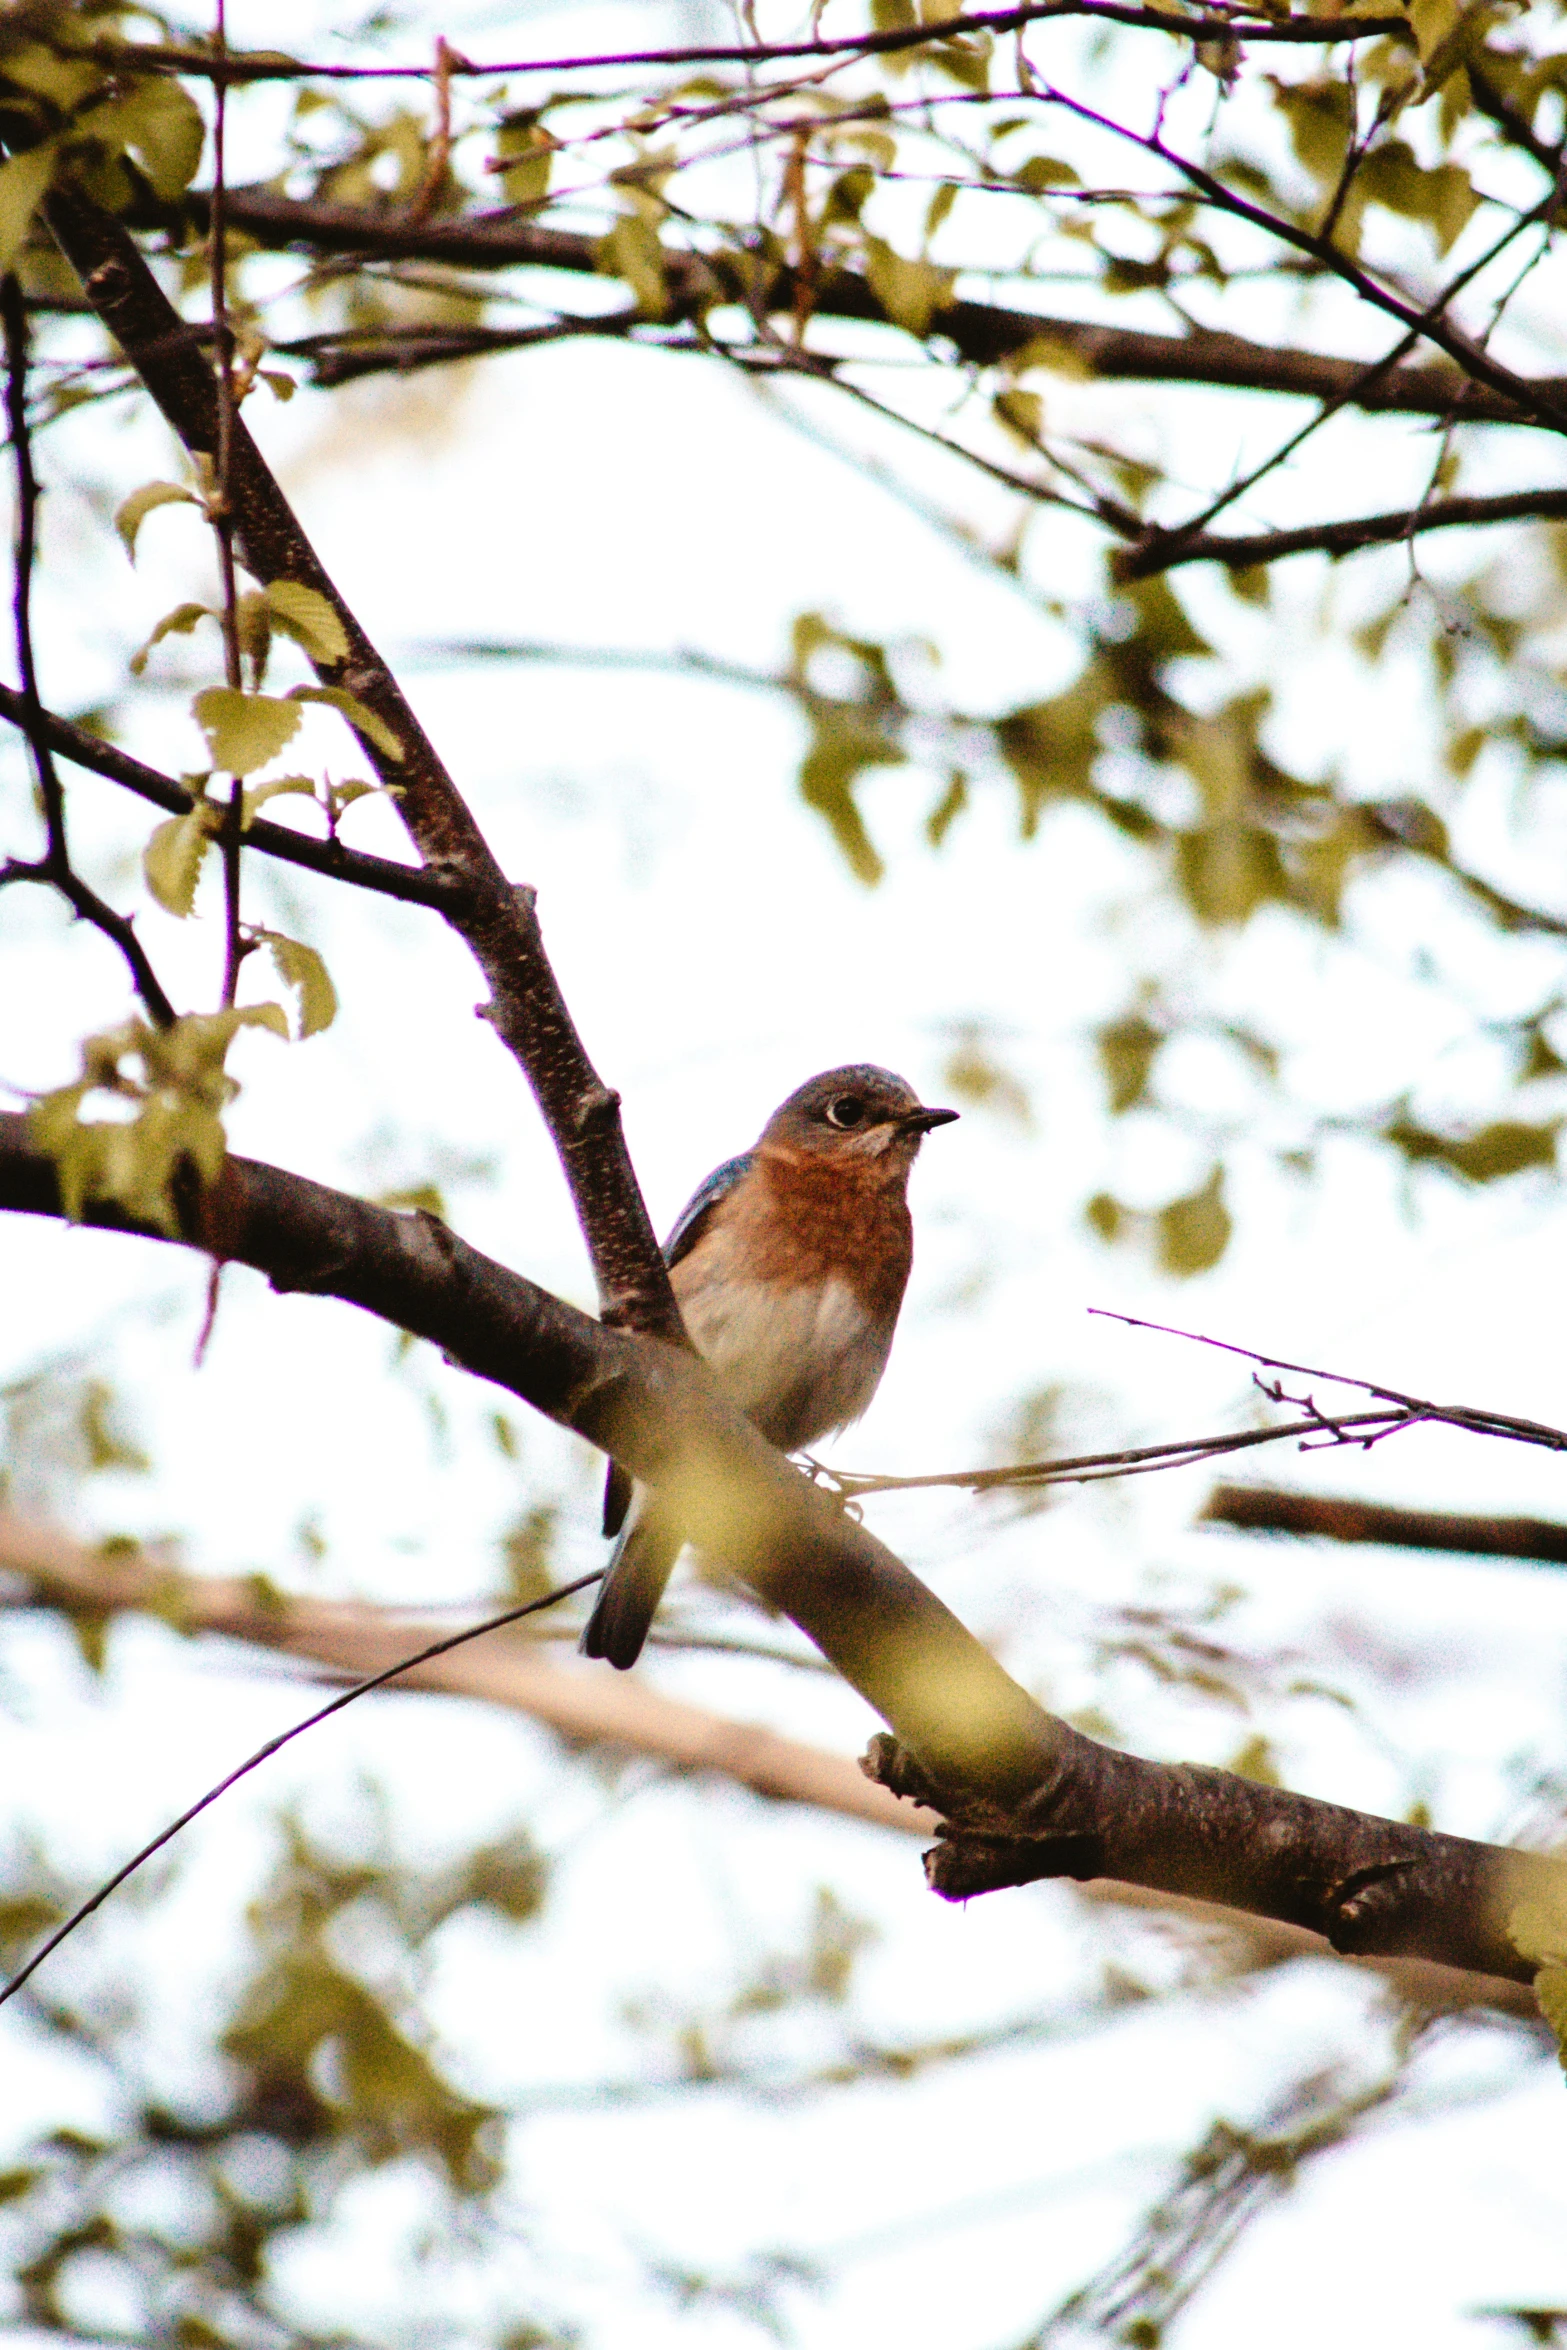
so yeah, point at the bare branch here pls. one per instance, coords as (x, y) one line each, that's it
(54, 868)
(1265, 1509)
(1169, 550)
(273, 1746)
(621, 1711)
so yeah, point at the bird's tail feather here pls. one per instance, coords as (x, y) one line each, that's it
(640, 1566)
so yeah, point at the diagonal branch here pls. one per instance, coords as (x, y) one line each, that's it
(498, 924)
(584, 1707)
(1027, 1795)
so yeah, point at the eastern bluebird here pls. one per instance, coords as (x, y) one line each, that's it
(790, 1264)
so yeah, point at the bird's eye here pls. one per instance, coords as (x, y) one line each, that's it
(846, 1111)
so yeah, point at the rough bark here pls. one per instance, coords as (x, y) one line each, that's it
(1025, 1796)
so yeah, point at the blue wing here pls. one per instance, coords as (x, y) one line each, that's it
(684, 1237)
(706, 1197)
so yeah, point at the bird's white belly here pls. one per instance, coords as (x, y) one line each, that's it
(802, 1362)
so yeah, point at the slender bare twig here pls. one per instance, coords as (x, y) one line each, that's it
(54, 868)
(1166, 548)
(1090, 1467)
(219, 506)
(275, 1745)
(1214, 24)
(1475, 1418)
(1541, 407)
(1240, 552)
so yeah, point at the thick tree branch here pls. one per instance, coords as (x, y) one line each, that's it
(585, 1707)
(1266, 1509)
(1028, 1795)
(497, 923)
(981, 332)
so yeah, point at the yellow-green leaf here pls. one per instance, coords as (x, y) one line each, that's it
(24, 183)
(172, 858)
(527, 150)
(911, 292)
(160, 123)
(244, 731)
(307, 616)
(1194, 1232)
(179, 622)
(632, 251)
(141, 502)
(302, 969)
(361, 719)
(1022, 413)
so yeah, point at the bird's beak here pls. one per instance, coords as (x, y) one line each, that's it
(921, 1121)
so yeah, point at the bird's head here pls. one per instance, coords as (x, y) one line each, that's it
(860, 1115)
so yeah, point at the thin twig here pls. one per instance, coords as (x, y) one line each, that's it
(1471, 1416)
(273, 1746)
(1213, 25)
(54, 868)
(219, 505)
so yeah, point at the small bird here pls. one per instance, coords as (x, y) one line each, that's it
(790, 1264)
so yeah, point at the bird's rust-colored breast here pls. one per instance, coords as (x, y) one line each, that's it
(804, 1223)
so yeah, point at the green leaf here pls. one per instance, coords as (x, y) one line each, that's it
(1537, 1929)
(1506, 1147)
(160, 124)
(24, 183)
(179, 622)
(310, 619)
(1127, 1050)
(1022, 414)
(527, 151)
(302, 969)
(910, 292)
(1194, 1232)
(363, 721)
(1106, 1217)
(172, 858)
(244, 731)
(1045, 171)
(632, 251)
(142, 502)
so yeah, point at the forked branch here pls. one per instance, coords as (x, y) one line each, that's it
(1024, 1794)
